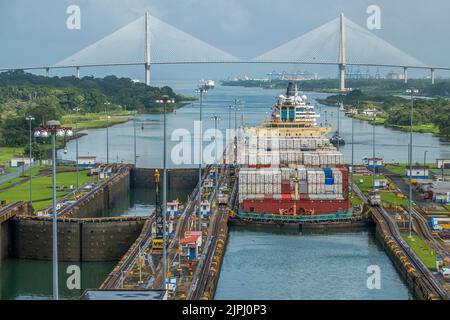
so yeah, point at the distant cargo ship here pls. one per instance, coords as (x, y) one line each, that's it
(207, 84)
(289, 171)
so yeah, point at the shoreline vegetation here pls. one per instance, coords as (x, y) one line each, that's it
(87, 103)
(384, 98)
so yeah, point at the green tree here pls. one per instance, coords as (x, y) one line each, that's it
(13, 132)
(38, 151)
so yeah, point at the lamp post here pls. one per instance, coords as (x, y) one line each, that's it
(229, 116)
(373, 151)
(424, 161)
(412, 92)
(237, 104)
(107, 132)
(216, 120)
(164, 100)
(30, 119)
(135, 149)
(338, 121)
(76, 149)
(236, 109)
(53, 129)
(229, 107)
(353, 153)
(200, 91)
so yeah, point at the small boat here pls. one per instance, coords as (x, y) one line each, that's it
(336, 139)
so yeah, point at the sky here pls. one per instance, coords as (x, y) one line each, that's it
(35, 32)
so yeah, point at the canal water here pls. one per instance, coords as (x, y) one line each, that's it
(32, 280)
(262, 263)
(28, 279)
(258, 264)
(390, 144)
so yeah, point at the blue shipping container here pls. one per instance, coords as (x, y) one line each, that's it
(328, 172)
(329, 181)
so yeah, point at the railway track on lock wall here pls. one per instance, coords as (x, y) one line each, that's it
(202, 275)
(182, 226)
(201, 284)
(421, 227)
(428, 280)
(144, 242)
(130, 259)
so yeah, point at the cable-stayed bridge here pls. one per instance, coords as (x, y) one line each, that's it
(150, 41)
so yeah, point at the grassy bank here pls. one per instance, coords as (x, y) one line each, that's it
(423, 128)
(400, 168)
(422, 249)
(355, 199)
(388, 198)
(96, 120)
(378, 120)
(35, 171)
(381, 120)
(42, 189)
(7, 153)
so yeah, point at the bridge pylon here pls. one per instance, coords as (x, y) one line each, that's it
(147, 48)
(342, 56)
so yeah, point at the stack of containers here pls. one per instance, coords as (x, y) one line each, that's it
(338, 178)
(257, 183)
(302, 175)
(323, 158)
(267, 150)
(329, 180)
(299, 171)
(316, 163)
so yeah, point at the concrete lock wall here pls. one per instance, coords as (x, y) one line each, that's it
(6, 235)
(100, 202)
(78, 240)
(6, 226)
(176, 178)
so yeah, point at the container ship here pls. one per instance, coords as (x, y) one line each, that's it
(289, 172)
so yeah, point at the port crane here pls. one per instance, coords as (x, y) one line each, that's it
(157, 242)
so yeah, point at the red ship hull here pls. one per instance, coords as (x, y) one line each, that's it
(302, 206)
